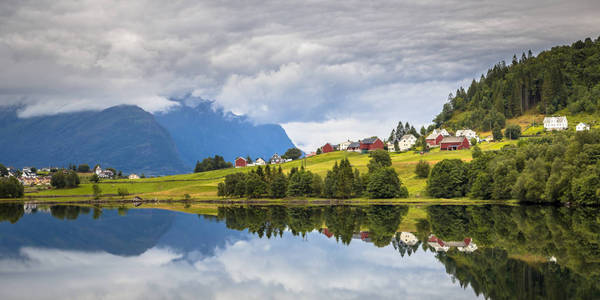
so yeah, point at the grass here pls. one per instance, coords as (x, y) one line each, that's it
(203, 186)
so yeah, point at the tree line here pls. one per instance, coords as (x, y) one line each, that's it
(341, 182)
(564, 77)
(212, 163)
(561, 168)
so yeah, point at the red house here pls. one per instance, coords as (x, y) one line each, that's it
(327, 148)
(240, 162)
(371, 144)
(435, 139)
(454, 143)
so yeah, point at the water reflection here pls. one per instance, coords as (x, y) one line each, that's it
(495, 252)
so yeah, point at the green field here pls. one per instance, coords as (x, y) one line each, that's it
(203, 186)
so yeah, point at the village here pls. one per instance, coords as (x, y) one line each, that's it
(438, 138)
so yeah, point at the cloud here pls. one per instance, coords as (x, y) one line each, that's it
(287, 268)
(283, 62)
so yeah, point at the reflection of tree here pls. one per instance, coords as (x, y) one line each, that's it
(343, 221)
(11, 212)
(68, 212)
(494, 274)
(383, 222)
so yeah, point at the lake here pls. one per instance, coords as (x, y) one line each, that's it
(278, 252)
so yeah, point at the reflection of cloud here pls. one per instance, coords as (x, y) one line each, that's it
(288, 268)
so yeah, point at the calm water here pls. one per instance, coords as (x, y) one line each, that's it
(341, 252)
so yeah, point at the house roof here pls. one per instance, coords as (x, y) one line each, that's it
(241, 158)
(558, 119)
(354, 145)
(433, 135)
(408, 136)
(453, 139)
(369, 140)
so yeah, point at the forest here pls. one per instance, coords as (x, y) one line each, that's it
(564, 77)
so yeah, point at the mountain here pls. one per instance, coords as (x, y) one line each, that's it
(130, 139)
(564, 78)
(202, 131)
(124, 137)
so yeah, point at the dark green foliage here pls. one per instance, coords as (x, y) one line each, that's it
(448, 179)
(563, 77)
(379, 159)
(512, 132)
(384, 184)
(212, 163)
(83, 168)
(97, 191)
(64, 179)
(94, 178)
(278, 186)
(497, 133)
(11, 212)
(10, 187)
(292, 153)
(339, 181)
(319, 151)
(255, 186)
(422, 169)
(3, 171)
(383, 222)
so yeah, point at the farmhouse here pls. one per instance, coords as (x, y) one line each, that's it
(582, 127)
(276, 159)
(133, 176)
(240, 162)
(327, 148)
(354, 147)
(371, 144)
(436, 137)
(555, 123)
(408, 238)
(105, 174)
(344, 145)
(454, 143)
(468, 133)
(260, 162)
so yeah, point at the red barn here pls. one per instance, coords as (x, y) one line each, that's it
(240, 162)
(371, 144)
(327, 148)
(454, 143)
(435, 139)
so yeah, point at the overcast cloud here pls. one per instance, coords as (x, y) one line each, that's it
(312, 66)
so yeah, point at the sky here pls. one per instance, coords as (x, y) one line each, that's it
(326, 71)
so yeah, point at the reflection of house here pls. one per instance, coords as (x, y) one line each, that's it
(327, 233)
(408, 238)
(556, 123)
(466, 245)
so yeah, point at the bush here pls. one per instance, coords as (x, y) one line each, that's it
(384, 184)
(10, 187)
(97, 191)
(94, 178)
(422, 169)
(448, 179)
(292, 153)
(512, 132)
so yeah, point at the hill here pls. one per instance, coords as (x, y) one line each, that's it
(564, 79)
(201, 131)
(124, 137)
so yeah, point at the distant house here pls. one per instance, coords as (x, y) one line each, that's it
(437, 244)
(276, 159)
(241, 162)
(105, 174)
(555, 123)
(468, 133)
(582, 127)
(327, 148)
(406, 142)
(353, 147)
(436, 136)
(260, 162)
(133, 176)
(344, 145)
(371, 144)
(454, 143)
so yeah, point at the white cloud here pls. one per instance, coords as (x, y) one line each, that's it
(283, 62)
(288, 268)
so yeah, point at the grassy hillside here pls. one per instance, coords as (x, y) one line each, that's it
(204, 185)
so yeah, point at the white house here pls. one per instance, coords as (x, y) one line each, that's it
(582, 127)
(468, 133)
(556, 123)
(134, 176)
(260, 162)
(103, 173)
(276, 159)
(344, 145)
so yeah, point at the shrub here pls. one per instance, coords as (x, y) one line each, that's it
(422, 169)
(97, 191)
(384, 183)
(512, 132)
(448, 179)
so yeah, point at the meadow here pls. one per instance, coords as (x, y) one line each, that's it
(203, 186)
